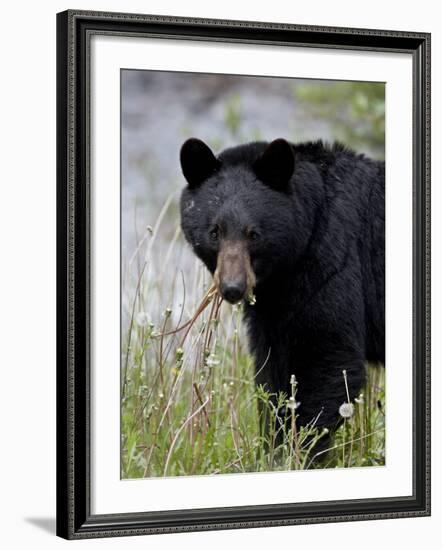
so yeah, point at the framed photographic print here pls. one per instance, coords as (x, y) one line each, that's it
(243, 274)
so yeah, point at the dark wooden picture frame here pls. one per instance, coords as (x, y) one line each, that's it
(74, 31)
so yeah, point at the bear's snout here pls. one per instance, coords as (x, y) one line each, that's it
(234, 276)
(233, 291)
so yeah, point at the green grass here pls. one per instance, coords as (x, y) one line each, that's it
(189, 402)
(354, 110)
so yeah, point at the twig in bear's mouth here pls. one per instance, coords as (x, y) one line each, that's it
(207, 299)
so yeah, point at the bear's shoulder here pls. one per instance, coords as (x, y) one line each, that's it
(325, 154)
(320, 153)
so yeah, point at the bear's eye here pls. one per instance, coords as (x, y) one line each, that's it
(253, 235)
(214, 234)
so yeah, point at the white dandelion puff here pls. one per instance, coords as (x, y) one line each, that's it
(292, 404)
(212, 360)
(142, 319)
(346, 410)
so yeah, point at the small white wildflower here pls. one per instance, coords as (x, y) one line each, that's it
(232, 383)
(212, 360)
(167, 312)
(360, 399)
(292, 404)
(292, 380)
(142, 319)
(346, 410)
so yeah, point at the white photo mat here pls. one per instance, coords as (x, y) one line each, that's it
(110, 494)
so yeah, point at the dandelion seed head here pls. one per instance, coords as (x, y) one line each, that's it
(346, 410)
(142, 319)
(292, 404)
(212, 360)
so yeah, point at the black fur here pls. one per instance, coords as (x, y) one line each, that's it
(318, 259)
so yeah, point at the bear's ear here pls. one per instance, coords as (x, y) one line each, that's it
(197, 161)
(276, 164)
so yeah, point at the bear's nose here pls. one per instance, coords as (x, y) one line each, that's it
(233, 291)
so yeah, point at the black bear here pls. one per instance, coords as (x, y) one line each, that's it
(301, 228)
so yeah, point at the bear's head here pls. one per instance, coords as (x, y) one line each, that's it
(237, 211)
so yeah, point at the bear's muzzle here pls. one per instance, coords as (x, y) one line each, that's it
(234, 276)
